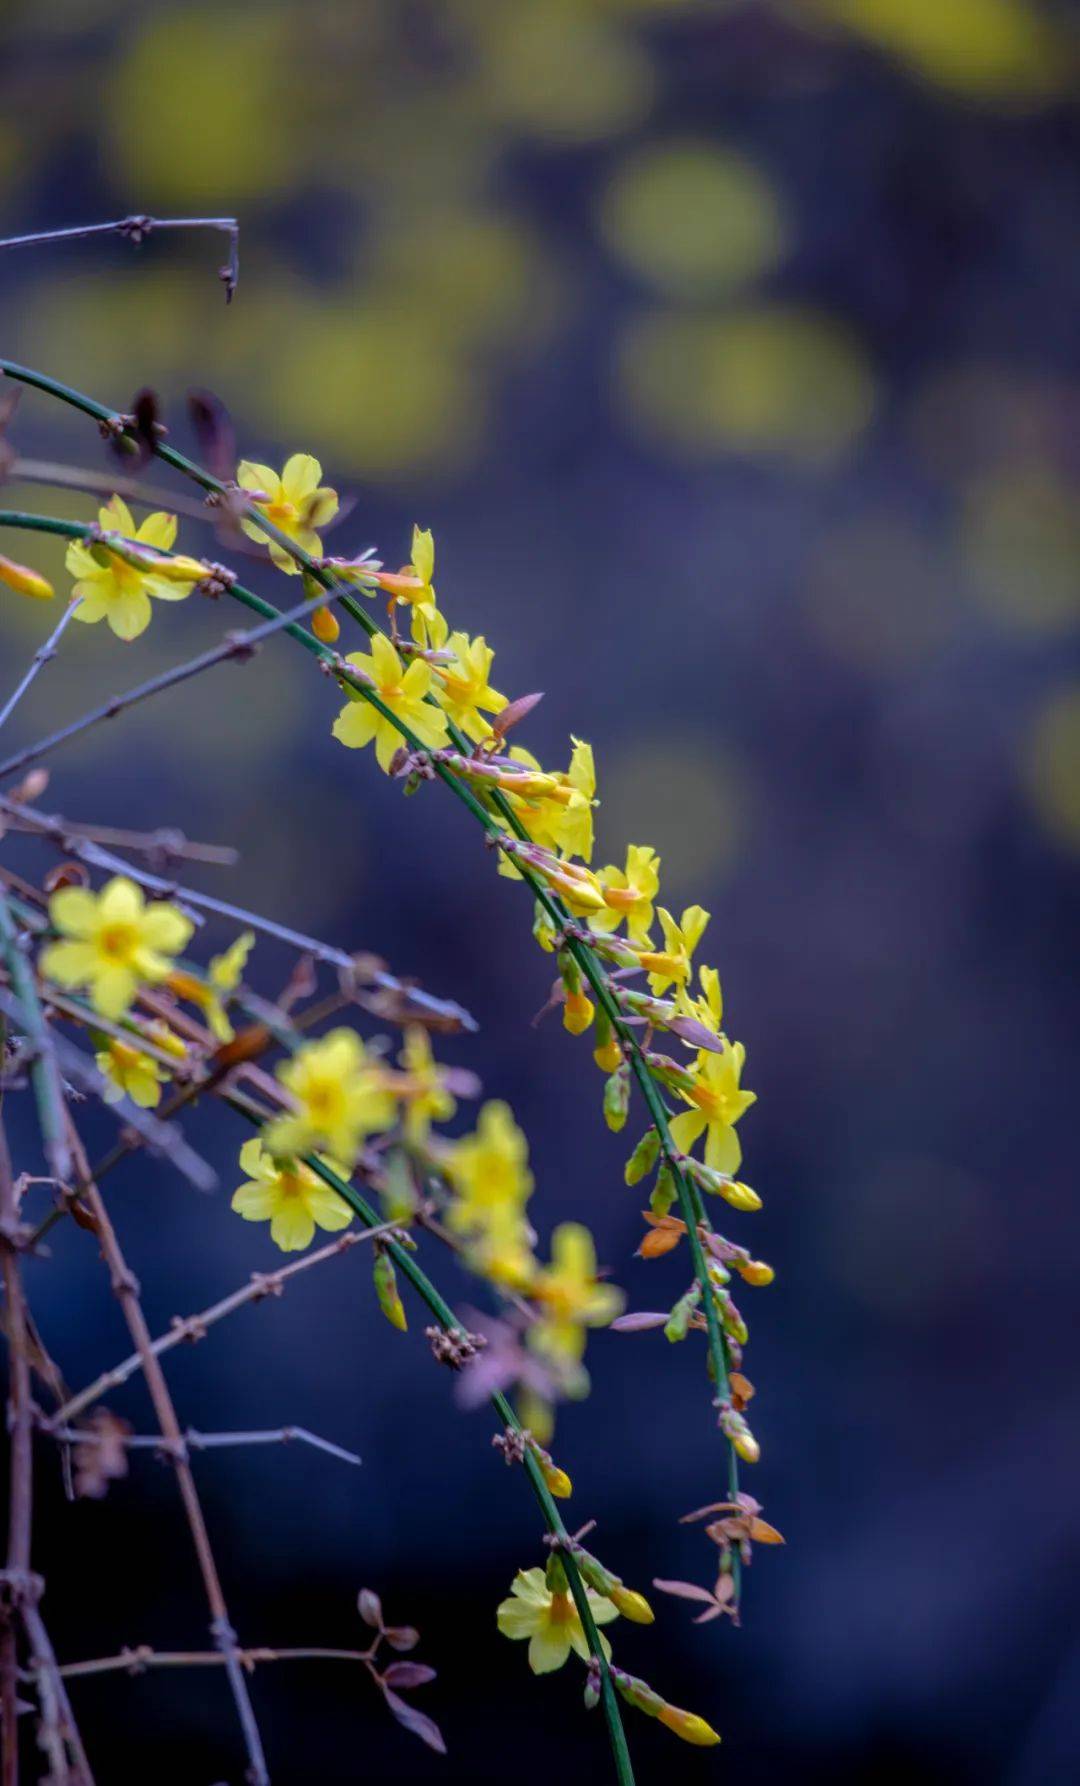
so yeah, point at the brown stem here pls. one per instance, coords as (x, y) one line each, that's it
(20, 1469)
(126, 1291)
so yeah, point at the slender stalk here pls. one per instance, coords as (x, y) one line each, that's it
(448, 1321)
(136, 229)
(126, 1291)
(592, 967)
(134, 1661)
(43, 655)
(445, 1011)
(43, 1068)
(16, 1584)
(194, 1327)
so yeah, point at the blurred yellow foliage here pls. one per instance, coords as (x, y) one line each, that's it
(1052, 765)
(560, 70)
(778, 381)
(203, 111)
(692, 218)
(1020, 534)
(687, 796)
(1006, 51)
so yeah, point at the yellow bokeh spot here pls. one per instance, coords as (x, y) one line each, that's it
(560, 72)
(203, 107)
(1020, 535)
(1005, 51)
(1052, 766)
(771, 381)
(693, 219)
(688, 797)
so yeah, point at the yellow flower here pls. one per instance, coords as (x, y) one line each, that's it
(709, 1008)
(670, 966)
(550, 1621)
(111, 589)
(718, 1102)
(629, 894)
(403, 691)
(294, 502)
(112, 942)
(24, 581)
(224, 976)
(290, 1196)
(462, 688)
(570, 1296)
(425, 1095)
(489, 1173)
(339, 1095)
(130, 1073)
(563, 824)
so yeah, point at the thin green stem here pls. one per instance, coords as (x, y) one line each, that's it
(405, 1262)
(689, 1200)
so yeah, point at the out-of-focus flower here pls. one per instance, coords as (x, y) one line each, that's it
(569, 1295)
(296, 504)
(112, 942)
(403, 691)
(290, 1196)
(25, 581)
(423, 1090)
(489, 1174)
(130, 1073)
(111, 589)
(223, 977)
(719, 1101)
(550, 1620)
(339, 1095)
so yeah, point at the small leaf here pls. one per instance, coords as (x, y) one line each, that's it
(408, 1674)
(639, 1323)
(660, 1241)
(713, 1507)
(370, 1608)
(402, 1637)
(685, 1590)
(420, 1725)
(763, 1533)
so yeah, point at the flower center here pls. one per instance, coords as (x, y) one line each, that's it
(117, 941)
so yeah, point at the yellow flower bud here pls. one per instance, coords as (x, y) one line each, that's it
(179, 569)
(558, 1482)
(689, 1726)
(755, 1271)
(325, 625)
(578, 1013)
(608, 1056)
(25, 581)
(740, 1196)
(747, 1446)
(631, 1604)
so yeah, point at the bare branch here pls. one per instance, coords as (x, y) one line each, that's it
(43, 655)
(136, 229)
(191, 1440)
(190, 1328)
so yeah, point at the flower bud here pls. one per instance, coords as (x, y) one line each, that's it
(643, 1158)
(631, 1604)
(180, 569)
(24, 581)
(638, 1693)
(678, 1322)
(578, 1013)
(755, 1271)
(385, 1279)
(747, 1447)
(558, 1482)
(663, 1191)
(617, 1099)
(326, 625)
(689, 1726)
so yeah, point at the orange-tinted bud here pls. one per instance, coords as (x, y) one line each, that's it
(578, 1013)
(689, 1726)
(326, 625)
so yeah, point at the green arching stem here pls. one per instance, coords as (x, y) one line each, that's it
(444, 1314)
(689, 1197)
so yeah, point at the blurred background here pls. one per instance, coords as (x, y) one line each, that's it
(731, 353)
